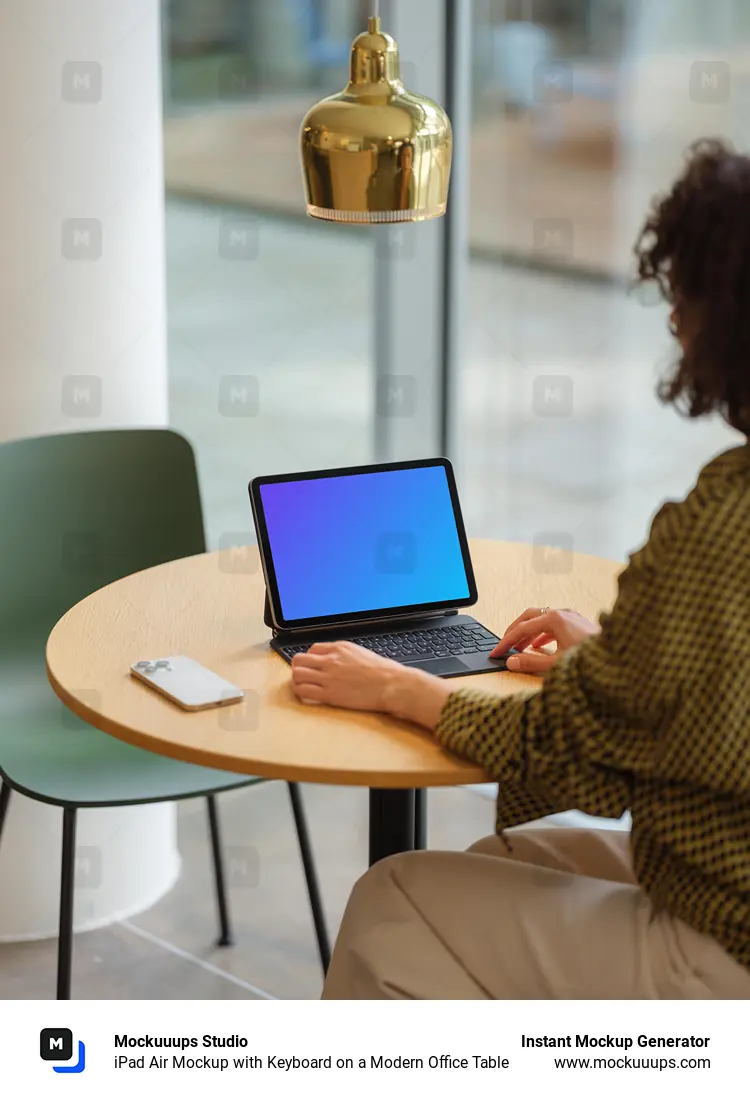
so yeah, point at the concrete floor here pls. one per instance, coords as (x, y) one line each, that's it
(169, 953)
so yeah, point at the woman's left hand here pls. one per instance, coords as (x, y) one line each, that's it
(343, 674)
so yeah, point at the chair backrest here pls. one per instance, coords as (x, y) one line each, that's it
(83, 509)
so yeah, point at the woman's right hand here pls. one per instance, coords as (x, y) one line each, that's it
(537, 627)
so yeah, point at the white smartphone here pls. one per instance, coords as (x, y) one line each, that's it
(191, 685)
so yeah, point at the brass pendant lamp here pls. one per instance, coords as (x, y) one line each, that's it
(376, 153)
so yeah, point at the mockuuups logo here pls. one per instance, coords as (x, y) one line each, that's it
(56, 1045)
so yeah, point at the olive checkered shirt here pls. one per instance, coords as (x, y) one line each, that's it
(650, 715)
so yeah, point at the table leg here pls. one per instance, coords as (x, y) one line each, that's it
(420, 820)
(392, 823)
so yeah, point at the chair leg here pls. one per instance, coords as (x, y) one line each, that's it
(311, 878)
(67, 889)
(226, 939)
(4, 803)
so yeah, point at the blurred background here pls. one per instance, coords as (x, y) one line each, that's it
(581, 111)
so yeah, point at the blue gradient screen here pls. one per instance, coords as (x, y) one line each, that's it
(362, 542)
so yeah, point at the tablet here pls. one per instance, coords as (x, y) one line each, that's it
(362, 543)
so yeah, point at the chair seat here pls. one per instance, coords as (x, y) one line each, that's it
(52, 755)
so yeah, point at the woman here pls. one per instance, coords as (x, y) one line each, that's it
(647, 711)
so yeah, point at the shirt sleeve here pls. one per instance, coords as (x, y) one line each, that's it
(597, 719)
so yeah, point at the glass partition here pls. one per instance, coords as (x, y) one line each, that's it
(581, 112)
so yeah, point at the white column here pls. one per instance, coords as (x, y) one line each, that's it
(82, 346)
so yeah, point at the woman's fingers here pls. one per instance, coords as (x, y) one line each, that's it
(529, 613)
(309, 693)
(511, 638)
(308, 668)
(543, 639)
(523, 634)
(318, 656)
(534, 663)
(308, 660)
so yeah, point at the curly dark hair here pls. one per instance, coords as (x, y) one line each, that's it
(695, 245)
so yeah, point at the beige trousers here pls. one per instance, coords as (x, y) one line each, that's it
(561, 917)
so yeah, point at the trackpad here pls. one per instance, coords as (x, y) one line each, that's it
(440, 666)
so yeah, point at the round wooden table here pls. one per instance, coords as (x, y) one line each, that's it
(210, 608)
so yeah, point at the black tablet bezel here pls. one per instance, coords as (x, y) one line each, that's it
(357, 616)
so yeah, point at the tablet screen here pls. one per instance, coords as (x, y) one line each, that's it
(365, 542)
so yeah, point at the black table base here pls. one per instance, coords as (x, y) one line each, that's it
(398, 822)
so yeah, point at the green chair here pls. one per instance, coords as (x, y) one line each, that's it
(79, 511)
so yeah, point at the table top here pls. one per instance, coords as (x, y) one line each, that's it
(210, 608)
